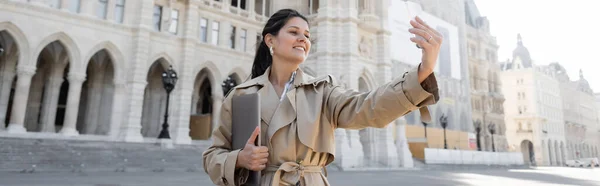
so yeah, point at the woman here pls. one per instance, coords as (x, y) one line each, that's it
(299, 113)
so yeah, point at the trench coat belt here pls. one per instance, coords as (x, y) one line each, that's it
(293, 171)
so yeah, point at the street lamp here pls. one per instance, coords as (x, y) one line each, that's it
(425, 128)
(492, 128)
(444, 122)
(1, 49)
(478, 131)
(169, 78)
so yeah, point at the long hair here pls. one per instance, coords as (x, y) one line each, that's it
(263, 58)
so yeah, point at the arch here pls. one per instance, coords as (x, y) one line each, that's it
(368, 77)
(19, 38)
(528, 152)
(215, 73)
(161, 56)
(240, 73)
(563, 157)
(117, 58)
(551, 158)
(208, 74)
(68, 44)
(556, 152)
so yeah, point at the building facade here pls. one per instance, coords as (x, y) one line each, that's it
(486, 95)
(533, 109)
(451, 71)
(93, 68)
(580, 115)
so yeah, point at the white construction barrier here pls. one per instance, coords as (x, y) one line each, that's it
(457, 157)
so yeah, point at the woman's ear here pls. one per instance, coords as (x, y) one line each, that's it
(269, 40)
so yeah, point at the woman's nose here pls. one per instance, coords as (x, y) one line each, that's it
(302, 38)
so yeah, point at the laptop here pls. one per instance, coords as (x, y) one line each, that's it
(245, 118)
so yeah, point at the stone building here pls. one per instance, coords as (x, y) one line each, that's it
(580, 116)
(486, 96)
(533, 109)
(92, 69)
(448, 17)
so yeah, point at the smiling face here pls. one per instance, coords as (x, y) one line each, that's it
(292, 42)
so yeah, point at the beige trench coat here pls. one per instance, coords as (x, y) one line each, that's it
(299, 130)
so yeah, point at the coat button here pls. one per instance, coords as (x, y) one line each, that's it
(225, 181)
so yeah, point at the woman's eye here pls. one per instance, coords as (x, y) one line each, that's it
(294, 32)
(307, 36)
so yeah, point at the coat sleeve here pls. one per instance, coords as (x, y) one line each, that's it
(219, 159)
(377, 108)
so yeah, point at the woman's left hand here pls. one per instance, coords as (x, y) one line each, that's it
(430, 43)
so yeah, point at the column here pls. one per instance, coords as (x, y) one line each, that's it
(346, 155)
(134, 78)
(94, 100)
(387, 154)
(404, 154)
(75, 82)
(250, 4)
(216, 111)
(357, 155)
(17, 118)
(51, 93)
(5, 87)
(117, 109)
(194, 107)
(264, 2)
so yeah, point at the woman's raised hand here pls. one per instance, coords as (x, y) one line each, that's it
(430, 43)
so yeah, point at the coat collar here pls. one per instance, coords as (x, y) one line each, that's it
(262, 80)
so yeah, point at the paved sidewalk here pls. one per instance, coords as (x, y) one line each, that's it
(490, 177)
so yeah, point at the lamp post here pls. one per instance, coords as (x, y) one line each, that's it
(425, 128)
(478, 131)
(444, 122)
(169, 78)
(1, 49)
(492, 128)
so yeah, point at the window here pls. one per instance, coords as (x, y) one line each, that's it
(55, 3)
(119, 11)
(520, 126)
(101, 11)
(529, 126)
(243, 39)
(258, 40)
(242, 4)
(520, 110)
(74, 6)
(313, 6)
(157, 17)
(215, 33)
(174, 21)
(232, 37)
(203, 29)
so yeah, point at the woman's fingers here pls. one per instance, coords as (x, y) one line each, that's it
(431, 33)
(421, 22)
(420, 42)
(421, 32)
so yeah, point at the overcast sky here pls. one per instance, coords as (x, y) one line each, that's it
(564, 31)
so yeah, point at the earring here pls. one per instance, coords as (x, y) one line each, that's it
(271, 50)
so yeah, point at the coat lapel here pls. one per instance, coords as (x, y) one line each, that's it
(286, 113)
